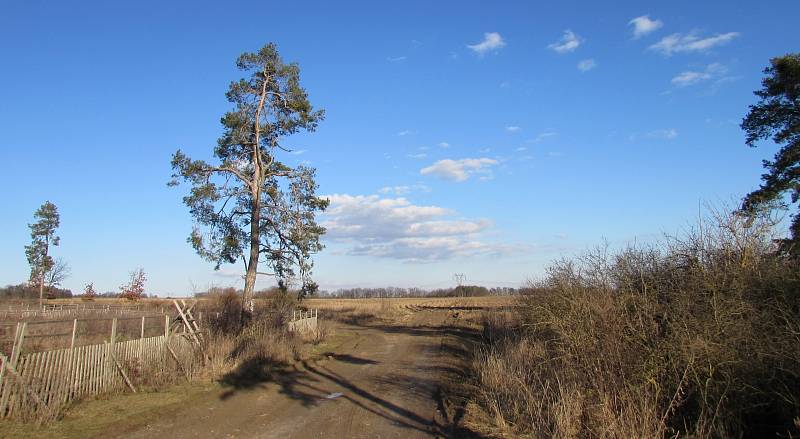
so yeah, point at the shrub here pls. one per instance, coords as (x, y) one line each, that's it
(224, 308)
(89, 293)
(696, 337)
(134, 289)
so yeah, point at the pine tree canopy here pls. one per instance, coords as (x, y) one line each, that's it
(777, 116)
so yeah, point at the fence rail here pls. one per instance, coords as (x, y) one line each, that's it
(77, 310)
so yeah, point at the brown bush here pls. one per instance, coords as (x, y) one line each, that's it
(697, 337)
(245, 352)
(224, 310)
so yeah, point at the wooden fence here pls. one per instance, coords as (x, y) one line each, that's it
(39, 383)
(303, 321)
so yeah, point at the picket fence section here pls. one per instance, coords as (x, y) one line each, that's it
(46, 380)
(304, 321)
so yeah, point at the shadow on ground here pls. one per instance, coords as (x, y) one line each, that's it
(306, 382)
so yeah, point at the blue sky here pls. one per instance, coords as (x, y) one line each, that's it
(485, 138)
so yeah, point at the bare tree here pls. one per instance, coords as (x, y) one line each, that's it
(88, 292)
(58, 274)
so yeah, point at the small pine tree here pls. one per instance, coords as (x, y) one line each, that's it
(43, 235)
(134, 289)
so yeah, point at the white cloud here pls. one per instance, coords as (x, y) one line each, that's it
(568, 42)
(586, 65)
(404, 189)
(404, 133)
(298, 151)
(691, 77)
(678, 43)
(396, 59)
(491, 41)
(396, 228)
(513, 128)
(660, 134)
(421, 155)
(663, 134)
(444, 145)
(521, 148)
(460, 170)
(543, 136)
(644, 25)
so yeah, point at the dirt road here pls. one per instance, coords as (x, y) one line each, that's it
(375, 380)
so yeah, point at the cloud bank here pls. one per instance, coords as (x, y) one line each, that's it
(370, 225)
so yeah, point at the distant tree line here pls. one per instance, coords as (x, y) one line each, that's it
(31, 291)
(370, 293)
(265, 293)
(459, 291)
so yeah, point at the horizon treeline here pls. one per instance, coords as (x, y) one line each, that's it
(375, 292)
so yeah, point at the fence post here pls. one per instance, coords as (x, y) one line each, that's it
(166, 325)
(113, 330)
(110, 350)
(19, 337)
(74, 331)
(72, 376)
(141, 341)
(3, 361)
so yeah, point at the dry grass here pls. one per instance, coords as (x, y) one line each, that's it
(394, 307)
(697, 338)
(243, 355)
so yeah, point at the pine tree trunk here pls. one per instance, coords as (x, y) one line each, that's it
(252, 265)
(41, 291)
(43, 272)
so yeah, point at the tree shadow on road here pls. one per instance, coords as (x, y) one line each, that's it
(257, 373)
(349, 358)
(314, 384)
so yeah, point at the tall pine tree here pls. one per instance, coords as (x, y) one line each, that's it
(250, 206)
